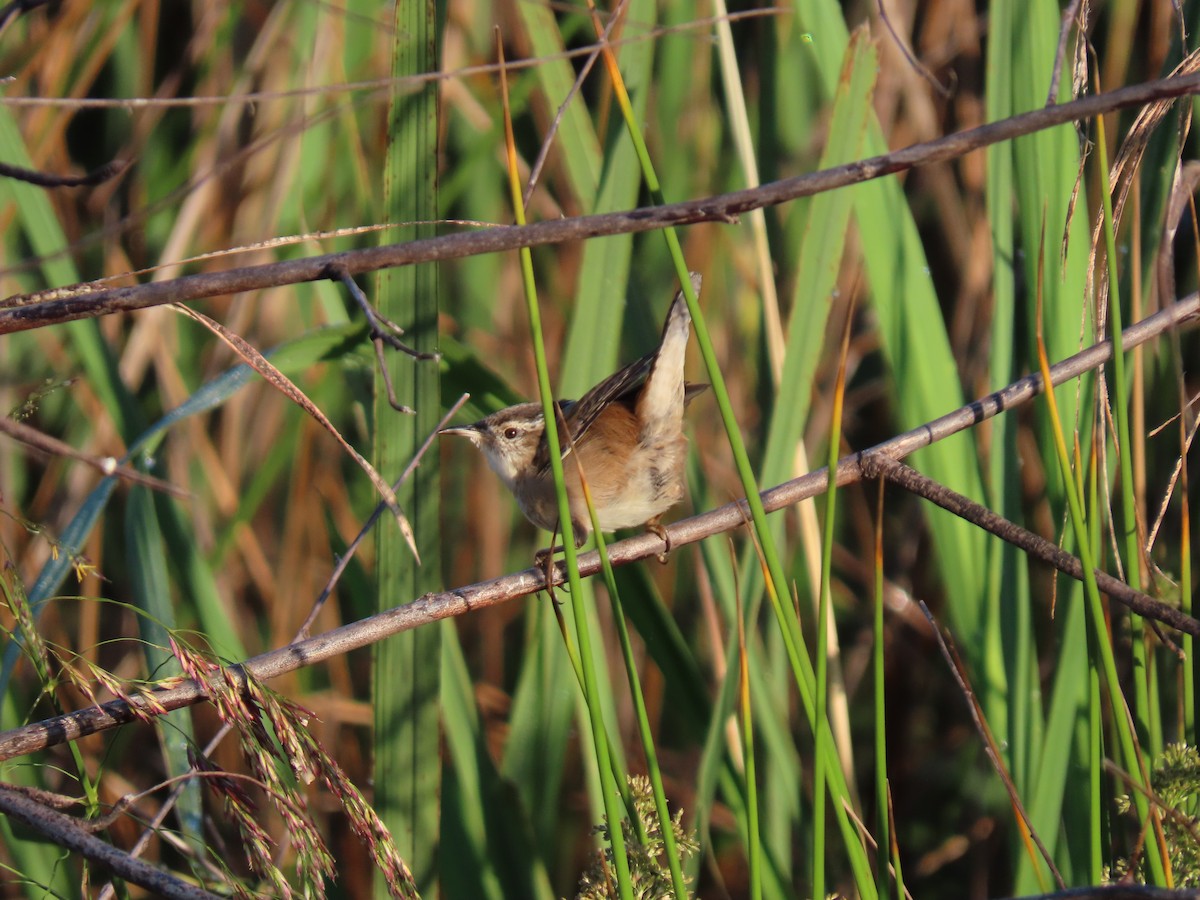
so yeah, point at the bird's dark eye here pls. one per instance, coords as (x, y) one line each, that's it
(511, 433)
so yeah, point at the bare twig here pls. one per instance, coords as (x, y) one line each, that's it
(548, 141)
(433, 607)
(67, 833)
(383, 331)
(26, 311)
(345, 558)
(106, 465)
(950, 654)
(1179, 470)
(47, 180)
(1064, 31)
(287, 387)
(915, 63)
(17, 7)
(878, 465)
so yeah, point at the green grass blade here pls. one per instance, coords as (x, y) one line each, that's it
(1037, 761)
(883, 828)
(1130, 756)
(41, 227)
(820, 259)
(777, 588)
(492, 830)
(914, 339)
(1009, 652)
(754, 848)
(152, 593)
(1143, 712)
(407, 667)
(670, 848)
(540, 724)
(610, 782)
(824, 734)
(599, 310)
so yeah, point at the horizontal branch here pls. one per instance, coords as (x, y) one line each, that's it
(435, 606)
(25, 311)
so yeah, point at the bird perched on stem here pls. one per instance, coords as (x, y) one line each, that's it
(626, 434)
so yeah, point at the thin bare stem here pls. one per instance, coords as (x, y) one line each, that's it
(1064, 31)
(584, 70)
(915, 63)
(950, 654)
(259, 363)
(67, 833)
(345, 558)
(49, 180)
(382, 331)
(877, 465)
(106, 465)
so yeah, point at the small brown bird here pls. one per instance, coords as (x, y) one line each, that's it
(626, 434)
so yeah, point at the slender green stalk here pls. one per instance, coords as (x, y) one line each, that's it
(882, 804)
(1142, 709)
(801, 665)
(670, 847)
(618, 774)
(147, 561)
(604, 762)
(754, 853)
(467, 756)
(609, 790)
(1095, 710)
(1121, 718)
(835, 430)
(1185, 591)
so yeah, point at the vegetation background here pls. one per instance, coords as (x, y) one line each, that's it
(263, 131)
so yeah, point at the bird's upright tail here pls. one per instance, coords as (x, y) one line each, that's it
(660, 406)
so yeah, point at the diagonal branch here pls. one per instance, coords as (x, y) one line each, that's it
(66, 832)
(25, 311)
(259, 363)
(105, 465)
(990, 745)
(878, 465)
(433, 607)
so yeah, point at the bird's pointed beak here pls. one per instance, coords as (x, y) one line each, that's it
(470, 432)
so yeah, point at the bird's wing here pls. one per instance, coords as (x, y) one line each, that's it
(580, 414)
